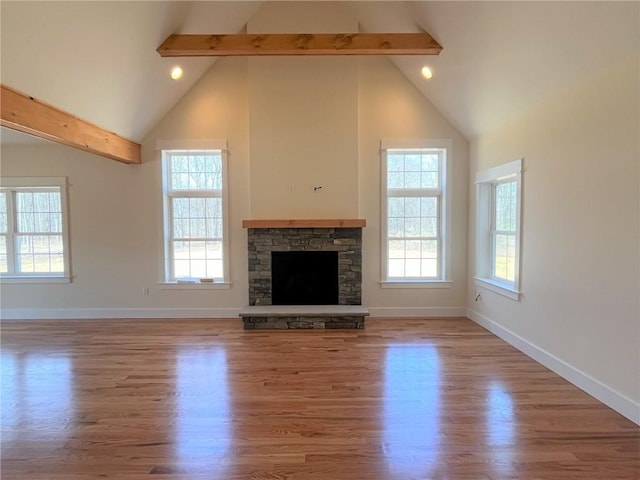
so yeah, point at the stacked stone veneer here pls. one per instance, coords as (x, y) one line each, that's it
(346, 241)
(302, 322)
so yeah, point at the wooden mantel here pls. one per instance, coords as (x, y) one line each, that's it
(307, 223)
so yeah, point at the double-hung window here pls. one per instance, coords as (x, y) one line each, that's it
(414, 213)
(503, 230)
(196, 234)
(499, 193)
(34, 243)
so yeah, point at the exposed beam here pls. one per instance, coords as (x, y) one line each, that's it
(26, 114)
(299, 44)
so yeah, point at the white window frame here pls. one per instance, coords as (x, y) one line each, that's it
(11, 185)
(486, 182)
(444, 221)
(217, 145)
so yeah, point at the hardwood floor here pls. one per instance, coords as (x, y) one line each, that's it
(204, 399)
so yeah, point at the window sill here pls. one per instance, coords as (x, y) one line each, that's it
(415, 284)
(194, 286)
(497, 287)
(5, 280)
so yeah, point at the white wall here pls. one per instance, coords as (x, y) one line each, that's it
(304, 134)
(107, 222)
(215, 108)
(579, 311)
(296, 122)
(390, 107)
(116, 215)
(304, 120)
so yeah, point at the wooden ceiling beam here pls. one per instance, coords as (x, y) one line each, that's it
(299, 44)
(27, 115)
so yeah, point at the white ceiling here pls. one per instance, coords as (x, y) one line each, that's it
(502, 58)
(97, 60)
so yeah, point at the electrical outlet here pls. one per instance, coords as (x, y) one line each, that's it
(145, 291)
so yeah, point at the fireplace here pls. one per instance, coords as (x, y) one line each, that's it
(304, 278)
(304, 274)
(344, 244)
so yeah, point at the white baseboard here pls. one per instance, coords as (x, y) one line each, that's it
(426, 312)
(610, 397)
(97, 313)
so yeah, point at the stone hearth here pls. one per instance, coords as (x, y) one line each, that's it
(303, 317)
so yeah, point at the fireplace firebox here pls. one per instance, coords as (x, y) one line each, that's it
(304, 278)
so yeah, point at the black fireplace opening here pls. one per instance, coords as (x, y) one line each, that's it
(304, 278)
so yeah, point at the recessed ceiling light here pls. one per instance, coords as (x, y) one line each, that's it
(176, 72)
(426, 72)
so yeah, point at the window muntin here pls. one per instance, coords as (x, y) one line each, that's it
(195, 242)
(33, 242)
(413, 248)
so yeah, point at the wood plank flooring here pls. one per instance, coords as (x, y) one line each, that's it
(203, 399)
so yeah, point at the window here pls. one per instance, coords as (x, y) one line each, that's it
(195, 215)
(34, 244)
(498, 229)
(414, 213)
(503, 231)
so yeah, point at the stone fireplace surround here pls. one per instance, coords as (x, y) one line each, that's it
(343, 236)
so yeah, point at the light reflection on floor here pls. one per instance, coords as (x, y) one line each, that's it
(500, 429)
(203, 414)
(36, 395)
(9, 398)
(411, 415)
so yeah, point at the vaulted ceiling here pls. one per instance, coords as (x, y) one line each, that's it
(98, 60)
